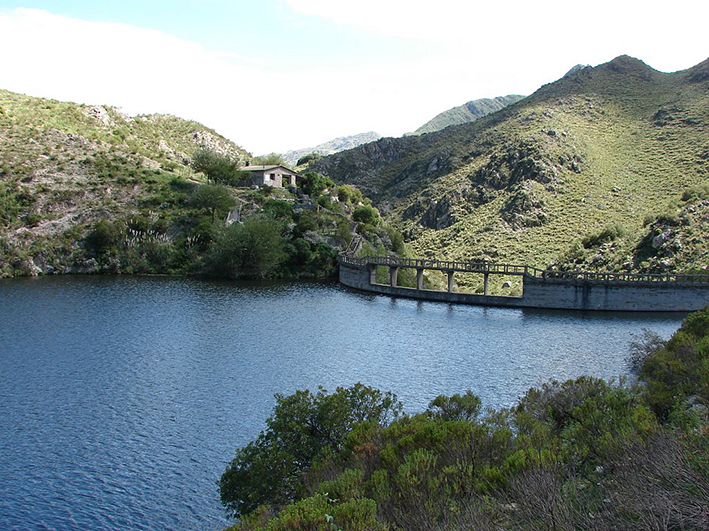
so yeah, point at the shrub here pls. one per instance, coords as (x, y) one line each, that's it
(278, 209)
(252, 250)
(218, 168)
(310, 157)
(103, 237)
(213, 198)
(302, 426)
(696, 193)
(314, 183)
(608, 234)
(366, 214)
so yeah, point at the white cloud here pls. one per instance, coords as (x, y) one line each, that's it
(473, 51)
(141, 71)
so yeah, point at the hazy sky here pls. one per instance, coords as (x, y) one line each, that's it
(274, 75)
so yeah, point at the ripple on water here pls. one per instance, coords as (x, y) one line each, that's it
(122, 399)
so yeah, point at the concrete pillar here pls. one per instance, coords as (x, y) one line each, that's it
(419, 278)
(393, 274)
(450, 281)
(372, 274)
(485, 277)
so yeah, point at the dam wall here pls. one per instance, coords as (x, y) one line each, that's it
(602, 292)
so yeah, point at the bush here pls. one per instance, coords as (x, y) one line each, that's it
(302, 426)
(608, 234)
(278, 209)
(218, 168)
(696, 193)
(313, 183)
(366, 214)
(311, 157)
(104, 237)
(213, 198)
(252, 250)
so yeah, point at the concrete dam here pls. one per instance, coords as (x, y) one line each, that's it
(540, 288)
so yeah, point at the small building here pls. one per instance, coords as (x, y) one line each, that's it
(271, 175)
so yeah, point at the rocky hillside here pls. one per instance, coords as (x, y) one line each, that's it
(618, 149)
(336, 145)
(87, 189)
(468, 112)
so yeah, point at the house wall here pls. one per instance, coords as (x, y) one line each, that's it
(282, 177)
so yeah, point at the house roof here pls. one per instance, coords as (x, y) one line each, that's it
(265, 167)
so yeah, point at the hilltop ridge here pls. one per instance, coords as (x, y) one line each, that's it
(613, 147)
(468, 112)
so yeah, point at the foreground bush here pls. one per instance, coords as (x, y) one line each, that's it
(581, 454)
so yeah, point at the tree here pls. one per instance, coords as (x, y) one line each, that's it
(213, 198)
(218, 168)
(271, 158)
(302, 426)
(366, 214)
(310, 157)
(314, 183)
(253, 250)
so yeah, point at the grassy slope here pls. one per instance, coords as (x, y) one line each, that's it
(609, 145)
(63, 166)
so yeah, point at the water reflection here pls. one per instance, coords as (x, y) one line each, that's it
(123, 398)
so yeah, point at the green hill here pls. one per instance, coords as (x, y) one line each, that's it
(588, 171)
(468, 112)
(87, 189)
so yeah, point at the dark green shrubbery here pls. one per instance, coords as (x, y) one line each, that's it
(218, 168)
(313, 183)
(366, 214)
(303, 426)
(581, 454)
(252, 250)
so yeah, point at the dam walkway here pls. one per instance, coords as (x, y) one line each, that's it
(571, 290)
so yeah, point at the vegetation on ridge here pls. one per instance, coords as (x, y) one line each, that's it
(618, 145)
(86, 189)
(581, 454)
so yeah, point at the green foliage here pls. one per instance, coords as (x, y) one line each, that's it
(103, 238)
(302, 426)
(271, 158)
(696, 193)
(307, 159)
(366, 214)
(278, 209)
(457, 407)
(680, 368)
(608, 234)
(218, 168)
(313, 183)
(582, 454)
(214, 198)
(252, 250)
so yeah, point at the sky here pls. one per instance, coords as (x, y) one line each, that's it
(276, 75)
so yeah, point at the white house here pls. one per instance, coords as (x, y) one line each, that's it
(271, 175)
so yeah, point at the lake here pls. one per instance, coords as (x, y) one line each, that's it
(122, 399)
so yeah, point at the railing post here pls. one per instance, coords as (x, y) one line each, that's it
(393, 274)
(419, 278)
(372, 273)
(450, 281)
(485, 279)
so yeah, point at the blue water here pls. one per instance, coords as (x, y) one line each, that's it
(123, 399)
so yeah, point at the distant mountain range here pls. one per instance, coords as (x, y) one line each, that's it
(468, 112)
(606, 168)
(333, 146)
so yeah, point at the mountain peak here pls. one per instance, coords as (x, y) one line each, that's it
(627, 64)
